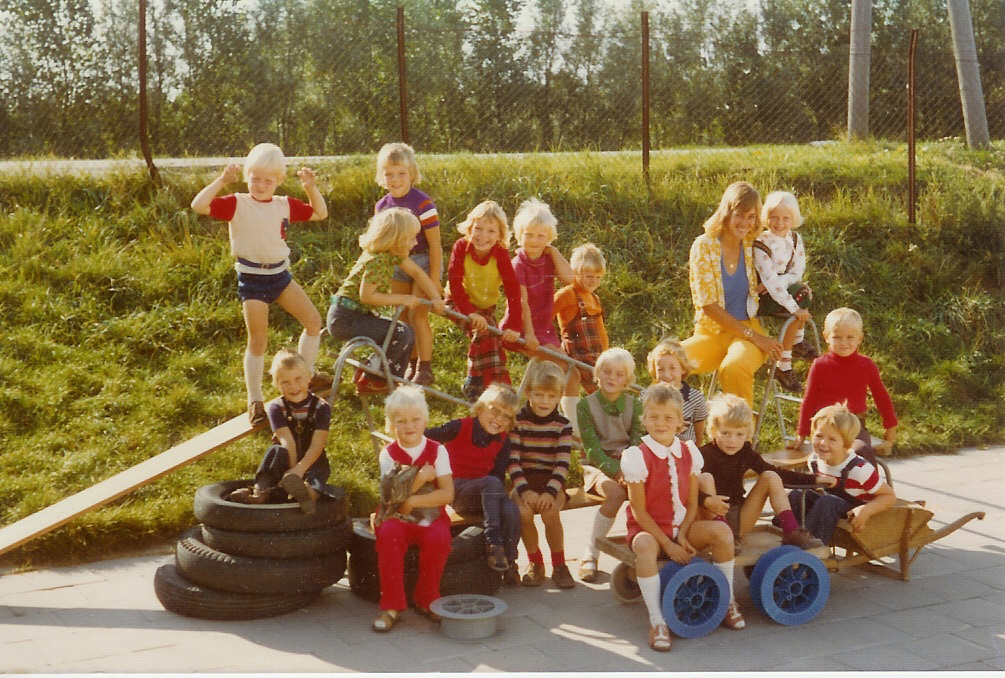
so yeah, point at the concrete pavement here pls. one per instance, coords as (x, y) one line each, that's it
(104, 617)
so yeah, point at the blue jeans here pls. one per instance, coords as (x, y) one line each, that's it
(822, 512)
(345, 323)
(486, 498)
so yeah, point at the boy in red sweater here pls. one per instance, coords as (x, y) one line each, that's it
(843, 375)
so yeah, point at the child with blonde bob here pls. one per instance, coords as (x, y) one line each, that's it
(610, 419)
(661, 472)
(843, 375)
(398, 173)
(581, 317)
(728, 457)
(407, 414)
(479, 451)
(258, 222)
(668, 363)
(479, 264)
(365, 292)
(858, 492)
(540, 454)
(780, 260)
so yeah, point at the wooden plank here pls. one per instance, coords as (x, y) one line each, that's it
(577, 497)
(123, 483)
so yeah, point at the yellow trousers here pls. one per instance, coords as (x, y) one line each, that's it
(736, 359)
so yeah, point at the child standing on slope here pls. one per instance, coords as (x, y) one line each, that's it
(780, 260)
(258, 222)
(398, 172)
(366, 290)
(479, 264)
(662, 477)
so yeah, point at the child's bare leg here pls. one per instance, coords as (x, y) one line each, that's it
(554, 533)
(706, 484)
(403, 287)
(768, 487)
(791, 332)
(528, 530)
(296, 302)
(418, 318)
(256, 320)
(614, 495)
(647, 550)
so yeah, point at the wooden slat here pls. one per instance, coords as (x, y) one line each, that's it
(123, 483)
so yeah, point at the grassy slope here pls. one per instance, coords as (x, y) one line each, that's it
(120, 333)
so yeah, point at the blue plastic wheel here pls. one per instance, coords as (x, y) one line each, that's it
(694, 598)
(790, 585)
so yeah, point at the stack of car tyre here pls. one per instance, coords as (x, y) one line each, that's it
(250, 561)
(466, 570)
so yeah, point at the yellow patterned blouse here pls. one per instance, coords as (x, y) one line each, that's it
(705, 276)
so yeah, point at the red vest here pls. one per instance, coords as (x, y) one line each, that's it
(659, 489)
(467, 460)
(428, 456)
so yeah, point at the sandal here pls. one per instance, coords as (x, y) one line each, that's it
(733, 619)
(428, 614)
(659, 638)
(588, 570)
(385, 621)
(298, 489)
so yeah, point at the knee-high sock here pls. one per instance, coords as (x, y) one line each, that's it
(254, 368)
(601, 526)
(727, 569)
(650, 587)
(308, 347)
(569, 409)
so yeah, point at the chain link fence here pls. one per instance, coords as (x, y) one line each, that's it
(325, 77)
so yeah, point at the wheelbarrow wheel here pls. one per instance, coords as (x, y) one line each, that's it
(694, 597)
(790, 585)
(623, 585)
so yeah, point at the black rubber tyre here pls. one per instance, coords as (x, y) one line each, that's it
(212, 508)
(466, 570)
(186, 598)
(301, 544)
(203, 565)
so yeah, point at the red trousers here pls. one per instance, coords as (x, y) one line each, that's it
(393, 539)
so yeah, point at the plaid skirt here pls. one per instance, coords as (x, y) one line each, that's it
(581, 340)
(486, 355)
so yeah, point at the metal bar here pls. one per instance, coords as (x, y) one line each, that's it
(911, 186)
(141, 41)
(645, 96)
(402, 87)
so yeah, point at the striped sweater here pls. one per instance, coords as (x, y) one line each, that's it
(540, 445)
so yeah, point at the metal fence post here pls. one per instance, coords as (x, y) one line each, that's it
(911, 187)
(402, 88)
(645, 96)
(142, 49)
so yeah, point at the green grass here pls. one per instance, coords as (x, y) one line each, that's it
(121, 335)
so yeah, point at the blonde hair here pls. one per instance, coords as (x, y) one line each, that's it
(740, 196)
(726, 410)
(402, 398)
(782, 199)
(545, 376)
(500, 396)
(844, 316)
(397, 153)
(266, 158)
(587, 257)
(615, 357)
(285, 359)
(488, 209)
(390, 229)
(841, 418)
(533, 212)
(670, 346)
(663, 394)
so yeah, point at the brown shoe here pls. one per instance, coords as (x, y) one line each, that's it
(256, 413)
(659, 638)
(423, 374)
(804, 350)
(511, 577)
(802, 538)
(588, 570)
(428, 614)
(298, 489)
(496, 557)
(562, 577)
(249, 495)
(385, 621)
(734, 620)
(789, 380)
(533, 575)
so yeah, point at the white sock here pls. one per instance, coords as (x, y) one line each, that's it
(800, 335)
(650, 587)
(601, 526)
(785, 363)
(308, 347)
(569, 404)
(254, 368)
(727, 569)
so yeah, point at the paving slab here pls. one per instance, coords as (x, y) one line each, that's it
(103, 617)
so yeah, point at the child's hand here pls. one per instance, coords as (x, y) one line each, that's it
(827, 481)
(307, 177)
(544, 502)
(802, 314)
(884, 448)
(510, 335)
(619, 478)
(439, 307)
(426, 474)
(531, 343)
(689, 549)
(230, 173)
(410, 301)
(478, 322)
(795, 444)
(676, 553)
(858, 517)
(717, 504)
(761, 289)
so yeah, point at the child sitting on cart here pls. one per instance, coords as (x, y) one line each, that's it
(662, 477)
(858, 492)
(728, 457)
